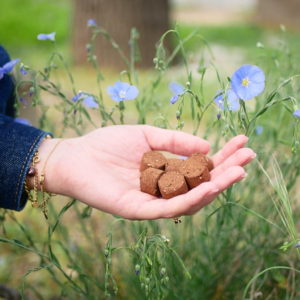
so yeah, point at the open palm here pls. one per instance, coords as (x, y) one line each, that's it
(102, 170)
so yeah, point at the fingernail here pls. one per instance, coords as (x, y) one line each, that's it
(212, 192)
(253, 156)
(245, 175)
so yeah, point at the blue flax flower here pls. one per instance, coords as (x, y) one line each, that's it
(23, 121)
(232, 100)
(122, 91)
(176, 89)
(248, 82)
(7, 68)
(23, 70)
(258, 130)
(23, 101)
(88, 101)
(91, 23)
(297, 113)
(44, 37)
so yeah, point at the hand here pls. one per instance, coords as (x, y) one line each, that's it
(101, 169)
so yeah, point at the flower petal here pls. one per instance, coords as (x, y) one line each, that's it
(258, 130)
(174, 99)
(234, 105)
(176, 88)
(256, 75)
(7, 68)
(131, 93)
(116, 98)
(23, 71)
(256, 88)
(111, 90)
(76, 98)
(297, 113)
(49, 36)
(121, 86)
(1, 73)
(23, 121)
(243, 93)
(90, 102)
(91, 23)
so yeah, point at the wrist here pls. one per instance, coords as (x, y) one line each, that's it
(48, 157)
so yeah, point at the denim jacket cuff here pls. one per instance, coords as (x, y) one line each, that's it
(18, 144)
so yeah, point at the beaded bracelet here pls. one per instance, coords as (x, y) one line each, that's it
(33, 172)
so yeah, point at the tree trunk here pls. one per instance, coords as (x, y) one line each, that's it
(118, 17)
(275, 12)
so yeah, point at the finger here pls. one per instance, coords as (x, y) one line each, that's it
(240, 158)
(233, 145)
(223, 182)
(174, 207)
(174, 141)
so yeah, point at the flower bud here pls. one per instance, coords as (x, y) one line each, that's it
(88, 48)
(223, 133)
(181, 124)
(109, 260)
(147, 279)
(260, 45)
(31, 91)
(107, 285)
(142, 285)
(162, 272)
(226, 127)
(296, 144)
(242, 116)
(106, 252)
(137, 269)
(167, 279)
(282, 27)
(218, 116)
(188, 84)
(155, 60)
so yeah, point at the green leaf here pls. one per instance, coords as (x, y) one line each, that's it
(182, 264)
(53, 257)
(19, 243)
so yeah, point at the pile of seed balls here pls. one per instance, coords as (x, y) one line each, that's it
(170, 177)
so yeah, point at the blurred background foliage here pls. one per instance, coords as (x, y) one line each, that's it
(223, 246)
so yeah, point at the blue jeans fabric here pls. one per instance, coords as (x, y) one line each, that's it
(18, 144)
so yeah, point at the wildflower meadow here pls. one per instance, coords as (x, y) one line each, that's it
(244, 245)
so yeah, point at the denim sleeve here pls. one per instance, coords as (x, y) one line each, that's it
(18, 144)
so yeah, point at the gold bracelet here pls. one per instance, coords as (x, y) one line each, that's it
(42, 180)
(33, 172)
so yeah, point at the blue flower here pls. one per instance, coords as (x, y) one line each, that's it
(91, 23)
(297, 245)
(248, 82)
(174, 100)
(297, 113)
(232, 100)
(23, 121)
(176, 89)
(44, 37)
(23, 100)
(23, 70)
(122, 91)
(89, 101)
(77, 97)
(258, 130)
(31, 91)
(7, 68)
